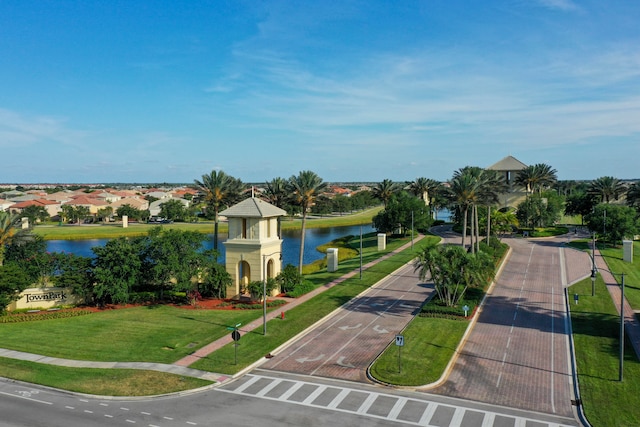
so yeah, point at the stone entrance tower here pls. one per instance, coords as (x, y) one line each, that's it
(254, 249)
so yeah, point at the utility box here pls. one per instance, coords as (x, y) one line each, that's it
(332, 259)
(627, 250)
(25, 223)
(382, 241)
(125, 221)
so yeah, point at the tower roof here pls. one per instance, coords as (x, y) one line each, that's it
(253, 208)
(509, 163)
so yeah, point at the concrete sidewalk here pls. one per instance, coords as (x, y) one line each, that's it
(180, 367)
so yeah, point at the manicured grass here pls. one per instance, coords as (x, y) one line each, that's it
(429, 345)
(596, 327)
(613, 257)
(254, 345)
(106, 382)
(109, 231)
(152, 333)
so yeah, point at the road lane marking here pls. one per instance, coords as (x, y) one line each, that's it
(367, 403)
(339, 398)
(314, 395)
(247, 384)
(26, 398)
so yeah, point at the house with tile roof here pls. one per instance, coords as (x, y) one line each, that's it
(52, 207)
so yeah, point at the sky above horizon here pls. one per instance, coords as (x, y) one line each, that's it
(365, 90)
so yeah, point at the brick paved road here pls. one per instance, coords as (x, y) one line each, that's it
(517, 354)
(346, 343)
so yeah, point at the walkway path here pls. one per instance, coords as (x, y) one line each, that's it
(180, 367)
(632, 325)
(215, 345)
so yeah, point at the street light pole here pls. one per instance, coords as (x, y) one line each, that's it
(593, 266)
(621, 328)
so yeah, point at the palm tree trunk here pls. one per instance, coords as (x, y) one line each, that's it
(464, 228)
(215, 230)
(302, 231)
(473, 229)
(477, 230)
(488, 223)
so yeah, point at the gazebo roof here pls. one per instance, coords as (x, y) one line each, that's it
(253, 208)
(509, 163)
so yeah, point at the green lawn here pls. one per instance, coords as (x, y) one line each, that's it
(165, 334)
(613, 257)
(596, 328)
(105, 382)
(429, 344)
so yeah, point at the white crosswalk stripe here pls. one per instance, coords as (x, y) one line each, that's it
(399, 409)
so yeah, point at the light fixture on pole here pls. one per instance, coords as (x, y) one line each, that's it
(621, 328)
(593, 266)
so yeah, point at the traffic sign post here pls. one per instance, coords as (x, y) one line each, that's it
(399, 344)
(235, 336)
(466, 310)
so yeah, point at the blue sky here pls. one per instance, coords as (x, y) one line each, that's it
(166, 91)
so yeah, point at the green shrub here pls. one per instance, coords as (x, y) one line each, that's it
(45, 315)
(301, 289)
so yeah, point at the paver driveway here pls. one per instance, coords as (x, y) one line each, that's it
(517, 354)
(346, 343)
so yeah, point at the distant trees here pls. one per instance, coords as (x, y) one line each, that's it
(579, 203)
(613, 222)
(74, 214)
(540, 210)
(633, 196)
(11, 232)
(173, 210)
(132, 213)
(35, 214)
(403, 210)
(12, 281)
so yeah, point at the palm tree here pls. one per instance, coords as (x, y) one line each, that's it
(304, 189)
(537, 177)
(384, 190)
(11, 231)
(633, 195)
(494, 183)
(465, 193)
(220, 190)
(277, 194)
(607, 188)
(419, 187)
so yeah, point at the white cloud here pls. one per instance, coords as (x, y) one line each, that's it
(565, 5)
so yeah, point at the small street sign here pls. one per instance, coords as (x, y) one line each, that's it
(466, 310)
(400, 340)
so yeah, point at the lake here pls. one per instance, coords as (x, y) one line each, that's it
(314, 237)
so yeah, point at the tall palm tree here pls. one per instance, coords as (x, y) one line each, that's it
(419, 187)
(384, 190)
(607, 188)
(304, 188)
(11, 231)
(633, 195)
(464, 192)
(220, 190)
(536, 178)
(277, 194)
(493, 184)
